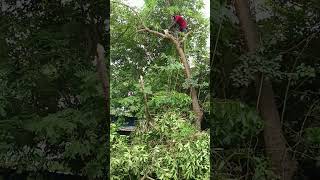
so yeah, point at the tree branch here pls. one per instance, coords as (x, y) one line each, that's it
(154, 32)
(132, 9)
(185, 36)
(145, 28)
(150, 178)
(148, 116)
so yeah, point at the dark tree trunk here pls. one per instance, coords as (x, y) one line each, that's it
(275, 142)
(103, 73)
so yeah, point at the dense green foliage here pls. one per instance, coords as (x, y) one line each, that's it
(288, 55)
(171, 147)
(51, 103)
(51, 100)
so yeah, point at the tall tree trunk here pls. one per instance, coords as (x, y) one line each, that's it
(194, 95)
(102, 71)
(275, 142)
(104, 75)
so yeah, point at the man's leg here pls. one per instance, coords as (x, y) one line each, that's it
(182, 32)
(176, 32)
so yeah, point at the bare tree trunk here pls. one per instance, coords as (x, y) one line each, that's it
(275, 143)
(104, 123)
(101, 68)
(194, 95)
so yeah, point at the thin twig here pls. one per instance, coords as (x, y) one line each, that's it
(293, 67)
(260, 89)
(137, 14)
(311, 36)
(148, 116)
(301, 129)
(185, 36)
(216, 44)
(122, 33)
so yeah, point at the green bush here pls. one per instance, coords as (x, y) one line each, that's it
(170, 149)
(234, 123)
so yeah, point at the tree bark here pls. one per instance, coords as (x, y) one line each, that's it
(194, 95)
(101, 68)
(103, 73)
(275, 143)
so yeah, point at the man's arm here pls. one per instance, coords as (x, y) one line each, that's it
(174, 23)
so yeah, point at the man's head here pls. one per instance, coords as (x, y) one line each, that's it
(173, 18)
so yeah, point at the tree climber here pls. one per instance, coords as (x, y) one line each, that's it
(180, 22)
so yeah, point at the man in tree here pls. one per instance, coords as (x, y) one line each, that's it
(180, 22)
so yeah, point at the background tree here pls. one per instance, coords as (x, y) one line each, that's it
(52, 116)
(287, 34)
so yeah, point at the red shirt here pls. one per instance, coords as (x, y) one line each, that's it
(182, 23)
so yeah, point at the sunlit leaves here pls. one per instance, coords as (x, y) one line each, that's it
(164, 150)
(163, 101)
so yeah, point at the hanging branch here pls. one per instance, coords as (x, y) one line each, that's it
(133, 10)
(146, 108)
(185, 37)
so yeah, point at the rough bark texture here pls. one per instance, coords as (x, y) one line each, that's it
(103, 73)
(194, 95)
(101, 68)
(275, 143)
